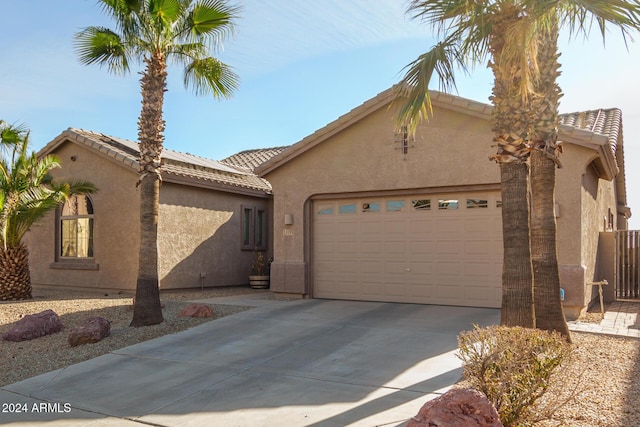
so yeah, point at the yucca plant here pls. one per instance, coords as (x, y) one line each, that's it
(27, 193)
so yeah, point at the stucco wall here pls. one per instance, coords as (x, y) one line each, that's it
(583, 200)
(451, 150)
(200, 233)
(116, 229)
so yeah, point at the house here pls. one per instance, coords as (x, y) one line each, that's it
(361, 212)
(354, 211)
(212, 216)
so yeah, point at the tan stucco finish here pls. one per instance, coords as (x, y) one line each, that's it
(115, 226)
(450, 153)
(198, 232)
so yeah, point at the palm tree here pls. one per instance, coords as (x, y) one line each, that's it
(474, 31)
(516, 35)
(27, 193)
(152, 32)
(544, 141)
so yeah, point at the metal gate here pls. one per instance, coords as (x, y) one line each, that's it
(628, 264)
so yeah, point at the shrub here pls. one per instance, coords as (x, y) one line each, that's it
(512, 366)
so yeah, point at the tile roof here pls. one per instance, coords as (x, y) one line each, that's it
(603, 122)
(608, 124)
(182, 166)
(581, 126)
(251, 159)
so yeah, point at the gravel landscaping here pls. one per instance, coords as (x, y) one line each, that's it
(25, 359)
(602, 381)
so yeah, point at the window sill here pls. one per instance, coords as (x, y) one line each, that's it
(74, 266)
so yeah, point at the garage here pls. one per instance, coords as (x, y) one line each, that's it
(421, 248)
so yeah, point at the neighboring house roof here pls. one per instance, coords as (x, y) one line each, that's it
(177, 167)
(600, 130)
(251, 159)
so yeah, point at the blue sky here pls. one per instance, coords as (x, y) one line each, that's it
(302, 64)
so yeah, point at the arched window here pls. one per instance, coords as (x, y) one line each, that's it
(76, 228)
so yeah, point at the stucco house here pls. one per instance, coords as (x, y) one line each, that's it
(212, 215)
(361, 212)
(353, 211)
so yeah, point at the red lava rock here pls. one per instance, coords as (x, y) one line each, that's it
(34, 326)
(457, 408)
(93, 330)
(196, 310)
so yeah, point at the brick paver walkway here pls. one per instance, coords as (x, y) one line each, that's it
(621, 318)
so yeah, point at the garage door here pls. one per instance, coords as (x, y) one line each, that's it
(431, 249)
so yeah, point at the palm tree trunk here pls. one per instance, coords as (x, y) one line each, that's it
(15, 280)
(511, 127)
(517, 293)
(546, 276)
(147, 309)
(545, 105)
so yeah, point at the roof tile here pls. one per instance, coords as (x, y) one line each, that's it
(175, 163)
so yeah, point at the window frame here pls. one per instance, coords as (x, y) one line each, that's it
(90, 243)
(254, 225)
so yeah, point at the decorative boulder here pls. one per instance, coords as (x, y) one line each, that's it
(93, 330)
(196, 310)
(459, 408)
(34, 326)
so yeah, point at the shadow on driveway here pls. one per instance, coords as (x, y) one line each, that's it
(295, 363)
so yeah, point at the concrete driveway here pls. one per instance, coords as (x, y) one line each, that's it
(283, 363)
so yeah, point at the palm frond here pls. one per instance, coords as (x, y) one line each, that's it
(212, 18)
(579, 16)
(413, 89)
(209, 75)
(124, 13)
(27, 191)
(99, 45)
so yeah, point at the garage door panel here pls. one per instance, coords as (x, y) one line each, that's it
(394, 226)
(371, 268)
(478, 225)
(449, 294)
(421, 249)
(371, 248)
(447, 226)
(449, 270)
(477, 269)
(395, 249)
(421, 268)
(446, 249)
(395, 252)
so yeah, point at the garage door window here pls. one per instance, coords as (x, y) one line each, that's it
(421, 204)
(477, 204)
(447, 204)
(349, 208)
(371, 207)
(395, 205)
(325, 210)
